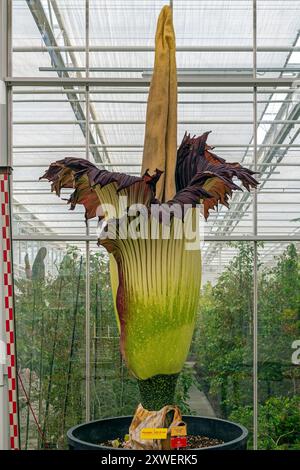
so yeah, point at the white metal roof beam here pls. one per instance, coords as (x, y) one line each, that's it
(43, 25)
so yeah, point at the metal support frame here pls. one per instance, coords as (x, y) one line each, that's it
(214, 84)
(145, 71)
(4, 426)
(125, 49)
(132, 122)
(215, 238)
(9, 425)
(183, 81)
(255, 264)
(181, 91)
(87, 243)
(205, 102)
(41, 20)
(140, 146)
(265, 154)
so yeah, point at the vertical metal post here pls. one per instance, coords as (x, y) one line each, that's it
(87, 244)
(4, 422)
(255, 277)
(9, 432)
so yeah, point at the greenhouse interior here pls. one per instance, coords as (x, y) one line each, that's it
(88, 324)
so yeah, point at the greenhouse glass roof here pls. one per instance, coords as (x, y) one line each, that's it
(113, 40)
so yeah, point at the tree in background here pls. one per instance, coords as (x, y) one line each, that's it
(50, 311)
(224, 344)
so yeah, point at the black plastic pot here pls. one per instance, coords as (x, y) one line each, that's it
(88, 436)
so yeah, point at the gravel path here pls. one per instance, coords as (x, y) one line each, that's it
(199, 403)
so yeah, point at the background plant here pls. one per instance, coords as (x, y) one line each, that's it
(224, 337)
(221, 348)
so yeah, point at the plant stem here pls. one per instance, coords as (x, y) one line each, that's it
(158, 391)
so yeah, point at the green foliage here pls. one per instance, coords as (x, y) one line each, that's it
(50, 311)
(223, 342)
(185, 381)
(224, 336)
(50, 315)
(278, 422)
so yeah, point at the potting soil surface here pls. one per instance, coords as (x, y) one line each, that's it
(193, 442)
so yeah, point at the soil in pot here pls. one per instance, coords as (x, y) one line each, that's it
(193, 442)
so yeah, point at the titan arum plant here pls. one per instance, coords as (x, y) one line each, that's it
(155, 278)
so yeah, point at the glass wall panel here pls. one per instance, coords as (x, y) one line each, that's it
(117, 31)
(278, 347)
(278, 25)
(278, 163)
(213, 26)
(49, 38)
(48, 125)
(222, 346)
(49, 284)
(62, 364)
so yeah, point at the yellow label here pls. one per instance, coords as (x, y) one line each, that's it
(154, 433)
(178, 431)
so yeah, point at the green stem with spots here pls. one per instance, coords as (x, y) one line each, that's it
(158, 391)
